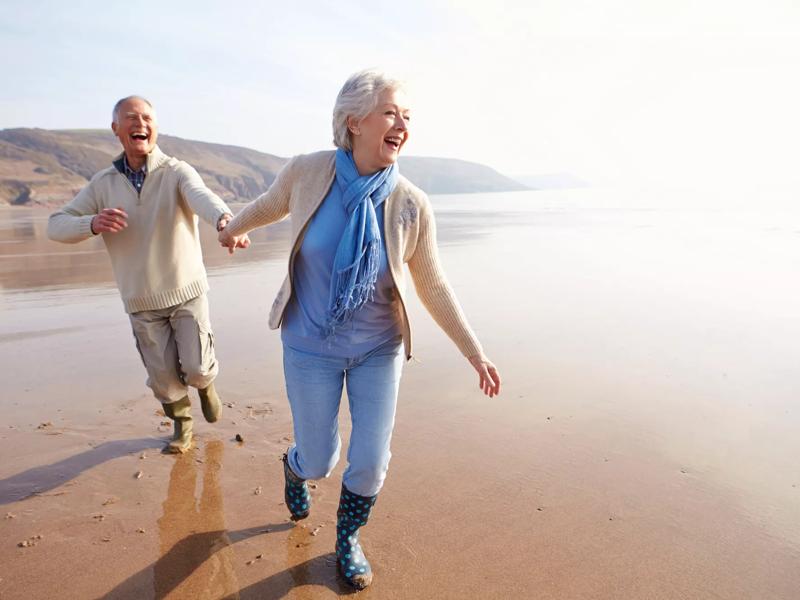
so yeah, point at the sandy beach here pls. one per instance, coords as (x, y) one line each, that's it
(644, 446)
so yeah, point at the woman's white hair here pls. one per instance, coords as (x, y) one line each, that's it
(357, 98)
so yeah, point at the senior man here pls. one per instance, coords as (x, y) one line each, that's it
(146, 206)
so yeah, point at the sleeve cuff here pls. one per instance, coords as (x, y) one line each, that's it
(472, 348)
(221, 214)
(86, 226)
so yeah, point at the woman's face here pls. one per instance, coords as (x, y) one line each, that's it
(378, 137)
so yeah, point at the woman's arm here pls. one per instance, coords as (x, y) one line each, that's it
(439, 299)
(269, 207)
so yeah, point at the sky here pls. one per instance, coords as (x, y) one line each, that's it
(657, 92)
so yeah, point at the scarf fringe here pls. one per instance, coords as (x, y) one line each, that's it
(355, 286)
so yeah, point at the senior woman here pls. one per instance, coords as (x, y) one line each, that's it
(342, 308)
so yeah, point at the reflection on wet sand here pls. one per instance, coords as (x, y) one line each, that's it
(196, 558)
(309, 575)
(298, 553)
(308, 570)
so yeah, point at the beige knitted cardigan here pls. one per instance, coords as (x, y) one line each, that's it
(409, 234)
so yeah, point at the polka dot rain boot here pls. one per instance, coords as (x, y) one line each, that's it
(295, 492)
(350, 560)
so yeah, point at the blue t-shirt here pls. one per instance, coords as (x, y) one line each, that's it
(375, 323)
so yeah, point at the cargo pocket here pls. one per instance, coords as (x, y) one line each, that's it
(208, 361)
(138, 347)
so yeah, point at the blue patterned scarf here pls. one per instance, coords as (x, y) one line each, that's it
(358, 256)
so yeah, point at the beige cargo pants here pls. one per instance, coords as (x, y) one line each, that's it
(177, 348)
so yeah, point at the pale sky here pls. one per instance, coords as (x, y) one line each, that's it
(661, 92)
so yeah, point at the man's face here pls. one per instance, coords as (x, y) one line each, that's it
(136, 128)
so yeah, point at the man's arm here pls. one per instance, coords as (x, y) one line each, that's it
(73, 222)
(205, 203)
(82, 218)
(208, 206)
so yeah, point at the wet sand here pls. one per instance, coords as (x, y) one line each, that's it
(645, 444)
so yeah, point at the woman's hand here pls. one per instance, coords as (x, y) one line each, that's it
(489, 377)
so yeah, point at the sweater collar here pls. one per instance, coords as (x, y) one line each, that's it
(155, 159)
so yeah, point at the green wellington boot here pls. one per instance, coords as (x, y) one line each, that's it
(181, 414)
(210, 403)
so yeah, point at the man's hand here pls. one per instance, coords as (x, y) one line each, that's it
(109, 220)
(223, 221)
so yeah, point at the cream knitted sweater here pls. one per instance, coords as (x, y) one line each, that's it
(409, 234)
(157, 260)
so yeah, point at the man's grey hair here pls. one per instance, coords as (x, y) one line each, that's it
(357, 98)
(121, 101)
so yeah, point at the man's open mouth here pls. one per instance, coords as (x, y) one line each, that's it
(139, 136)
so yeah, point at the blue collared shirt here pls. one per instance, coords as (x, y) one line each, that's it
(135, 177)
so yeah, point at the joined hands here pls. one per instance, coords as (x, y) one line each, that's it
(226, 240)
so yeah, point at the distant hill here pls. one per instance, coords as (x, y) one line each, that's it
(451, 176)
(48, 167)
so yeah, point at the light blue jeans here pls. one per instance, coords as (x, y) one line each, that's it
(314, 385)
